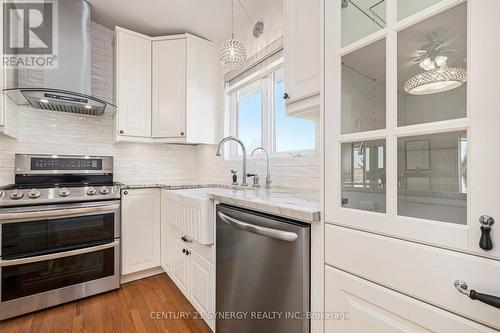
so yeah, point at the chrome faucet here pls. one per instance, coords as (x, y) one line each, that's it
(243, 149)
(268, 177)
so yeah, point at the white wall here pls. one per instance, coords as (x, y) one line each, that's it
(50, 132)
(271, 14)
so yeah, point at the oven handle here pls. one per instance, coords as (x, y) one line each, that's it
(30, 260)
(25, 216)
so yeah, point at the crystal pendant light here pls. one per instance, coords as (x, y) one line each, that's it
(232, 52)
(437, 77)
(436, 81)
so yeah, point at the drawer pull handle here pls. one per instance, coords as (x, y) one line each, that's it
(485, 242)
(485, 298)
(185, 239)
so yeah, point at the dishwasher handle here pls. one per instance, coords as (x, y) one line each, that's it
(286, 236)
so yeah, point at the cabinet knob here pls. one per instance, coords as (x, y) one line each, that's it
(187, 252)
(183, 250)
(182, 133)
(122, 131)
(125, 192)
(286, 96)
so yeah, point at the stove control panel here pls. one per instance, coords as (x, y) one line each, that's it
(20, 197)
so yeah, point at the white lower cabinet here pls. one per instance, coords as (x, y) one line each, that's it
(191, 267)
(362, 306)
(140, 214)
(419, 271)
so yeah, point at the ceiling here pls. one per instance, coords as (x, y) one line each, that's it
(210, 19)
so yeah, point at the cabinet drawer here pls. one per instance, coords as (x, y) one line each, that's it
(369, 307)
(420, 271)
(206, 251)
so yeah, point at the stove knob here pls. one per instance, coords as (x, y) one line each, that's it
(64, 192)
(16, 195)
(104, 190)
(91, 191)
(34, 193)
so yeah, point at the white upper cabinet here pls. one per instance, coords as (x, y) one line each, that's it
(204, 90)
(169, 88)
(410, 105)
(302, 55)
(186, 89)
(133, 83)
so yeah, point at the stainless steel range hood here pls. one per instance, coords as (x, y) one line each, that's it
(67, 88)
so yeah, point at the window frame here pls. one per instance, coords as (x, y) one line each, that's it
(268, 127)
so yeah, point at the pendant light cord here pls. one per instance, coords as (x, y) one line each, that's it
(232, 16)
(232, 19)
(246, 13)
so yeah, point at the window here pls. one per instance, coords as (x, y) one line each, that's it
(249, 115)
(258, 117)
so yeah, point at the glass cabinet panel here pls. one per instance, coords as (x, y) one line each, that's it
(363, 89)
(363, 175)
(361, 18)
(432, 177)
(432, 69)
(410, 7)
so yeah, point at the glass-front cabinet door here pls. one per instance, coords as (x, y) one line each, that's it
(412, 120)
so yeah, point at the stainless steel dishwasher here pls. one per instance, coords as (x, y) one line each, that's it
(263, 273)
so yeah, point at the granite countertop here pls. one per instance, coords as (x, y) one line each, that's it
(291, 204)
(284, 202)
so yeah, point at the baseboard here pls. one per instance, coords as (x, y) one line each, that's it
(142, 274)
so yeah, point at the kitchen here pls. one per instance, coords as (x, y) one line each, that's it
(228, 164)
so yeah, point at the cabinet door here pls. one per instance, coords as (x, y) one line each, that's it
(409, 120)
(204, 90)
(201, 283)
(302, 49)
(133, 83)
(169, 88)
(362, 306)
(180, 265)
(140, 230)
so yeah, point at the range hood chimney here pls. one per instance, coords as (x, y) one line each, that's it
(67, 88)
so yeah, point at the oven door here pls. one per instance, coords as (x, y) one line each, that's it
(55, 254)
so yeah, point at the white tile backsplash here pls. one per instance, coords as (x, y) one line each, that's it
(48, 132)
(302, 172)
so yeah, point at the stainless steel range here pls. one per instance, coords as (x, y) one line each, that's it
(59, 232)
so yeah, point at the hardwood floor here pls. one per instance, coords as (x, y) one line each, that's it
(128, 309)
